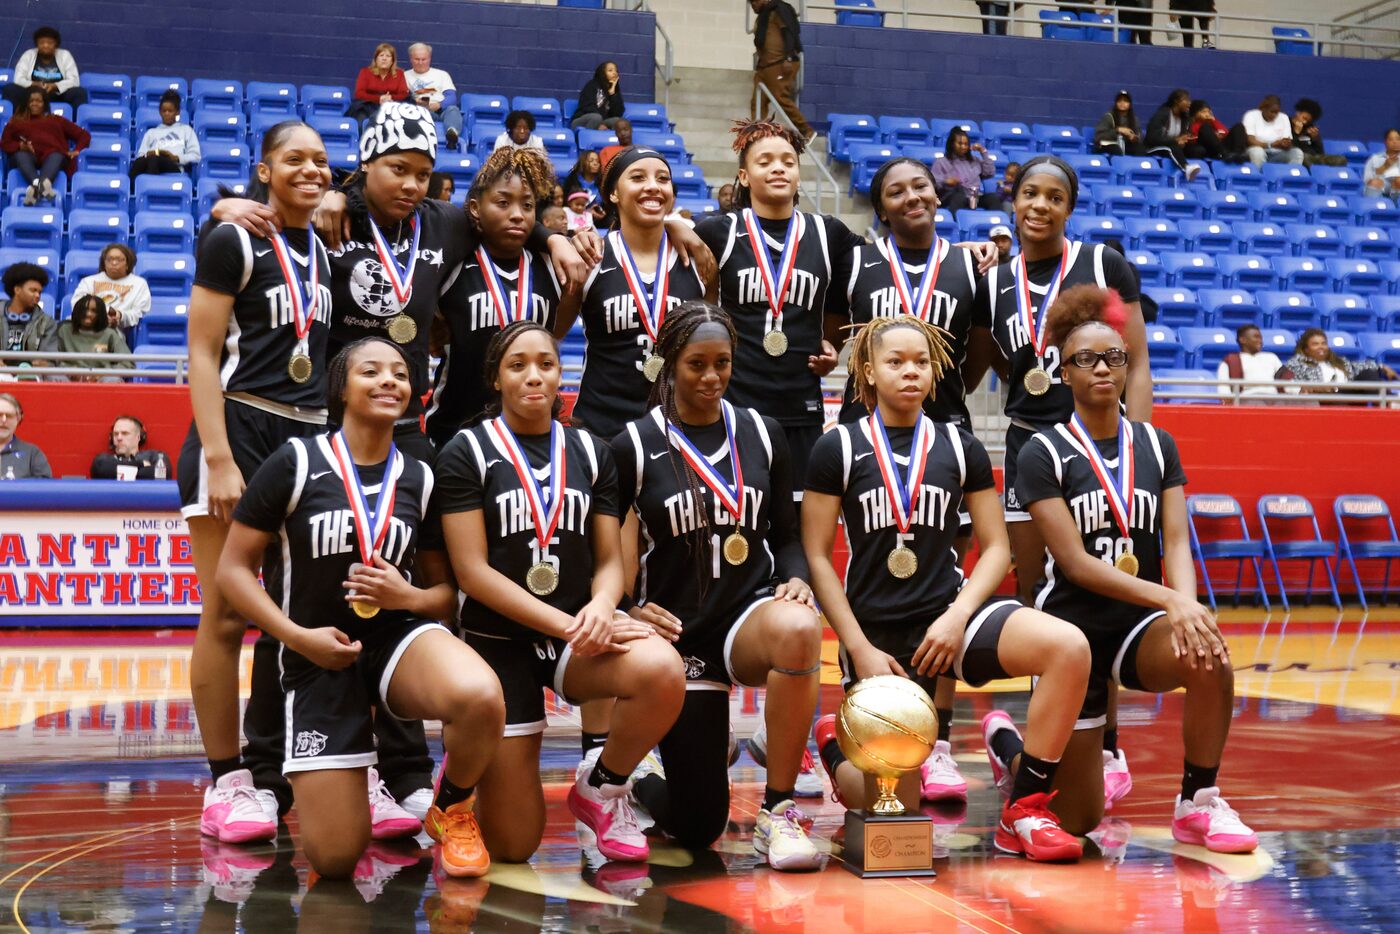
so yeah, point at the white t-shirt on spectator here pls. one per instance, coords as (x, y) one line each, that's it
(1256, 368)
(576, 220)
(434, 80)
(178, 139)
(505, 142)
(1267, 131)
(129, 295)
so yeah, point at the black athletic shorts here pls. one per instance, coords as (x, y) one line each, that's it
(1016, 437)
(975, 664)
(801, 439)
(254, 434)
(707, 657)
(525, 668)
(1113, 652)
(330, 714)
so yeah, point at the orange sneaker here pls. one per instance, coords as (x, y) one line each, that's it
(462, 849)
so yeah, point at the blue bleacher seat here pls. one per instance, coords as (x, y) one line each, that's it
(1292, 310)
(1367, 243)
(147, 118)
(1214, 237)
(104, 120)
(107, 90)
(1295, 179)
(560, 146)
(161, 330)
(1100, 26)
(225, 161)
(1191, 270)
(1154, 233)
(1225, 205)
(149, 88)
(1092, 169)
(1206, 347)
(1177, 307)
(865, 14)
(866, 159)
(1281, 341)
(1177, 203)
(1387, 310)
(162, 232)
(1188, 386)
(461, 166)
(929, 154)
(1390, 269)
(1138, 170)
(1097, 229)
(216, 94)
(1384, 347)
(545, 110)
(1060, 24)
(1163, 349)
(1354, 150)
(942, 126)
(170, 305)
(689, 182)
(90, 229)
(105, 191)
(31, 228)
(976, 224)
(271, 97)
(1015, 154)
(944, 224)
(482, 149)
(1122, 201)
(169, 275)
(1293, 40)
(1360, 276)
(1230, 308)
(1149, 267)
(78, 264)
(1243, 177)
(220, 126)
(262, 121)
(1262, 239)
(670, 145)
(344, 160)
(106, 154)
(1000, 134)
(207, 191)
(1317, 240)
(1342, 311)
(597, 139)
(325, 100)
(489, 107)
(1058, 139)
(1373, 210)
(342, 132)
(905, 131)
(1337, 179)
(847, 129)
(647, 116)
(1301, 273)
(1275, 207)
(1326, 209)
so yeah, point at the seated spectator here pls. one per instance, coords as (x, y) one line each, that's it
(126, 294)
(1253, 364)
(1006, 185)
(46, 68)
(556, 197)
(1207, 135)
(1270, 134)
(1315, 363)
(583, 176)
(1307, 138)
(89, 331)
(958, 177)
(1169, 131)
(19, 460)
(441, 186)
(519, 132)
(1118, 132)
(41, 144)
(25, 326)
(725, 197)
(170, 147)
(433, 88)
(577, 214)
(1001, 236)
(555, 218)
(124, 459)
(1382, 172)
(600, 102)
(623, 129)
(380, 82)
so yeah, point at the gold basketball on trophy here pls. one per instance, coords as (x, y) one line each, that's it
(886, 726)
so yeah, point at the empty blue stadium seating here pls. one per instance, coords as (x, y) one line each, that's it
(108, 90)
(106, 154)
(1262, 239)
(342, 132)
(1295, 179)
(1149, 267)
(1058, 139)
(90, 229)
(31, 228)
(324, 100)
(268, 97)
(169, 275)
(1092, 169)
(1301, 273)
(1122, 201)
(1390, 270)
(219, 126)
(1337, 179)
(1293, 40)
(1225, 205)
(207, 191)
(866, 159)
(490, 107)
(847, 129)
(461, 166)
(105, 191)
(560, 146)
(545, 110)
(1344, 344)
(149, 88)
(1099, 26)
(1387, 310)
(944, 223)
(104, 120)
(1177, 307)
(1360, 276)
(596, 139)
(216, 94)
(1247, 271)
(162, 232)
(76, 265)
(976, 224)
(1383, 347)
(1354, 150)
(225, 161)
(1275, 207)
(1230, 308)
(1326, 209)
(647, 116)
(1176, 203)
(1060, 24)
(1138, 170)
(689, 182)
(1280, 340)
(999, 134)
(670, 145)
(1154, 233)
(1239, 177)
(1367, 243)
(1289, 309)
(1373, 210)
(1313, 240)
(1212, 237)
(1206, 347)
(1163, 348)
(1345, 312)
(905, 131)
(344, 160)
(1191, 270)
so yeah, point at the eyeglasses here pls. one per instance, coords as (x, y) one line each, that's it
(1088, 359)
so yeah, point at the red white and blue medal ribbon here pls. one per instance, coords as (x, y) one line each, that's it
(731, 496)
(371, 525)
(915, 304)
(400, 277)
(1026, 312)
(524, 288)
(903, 491)
(305, 302)
(546, 503)
(774, 283)
(1120, 487)
(651, 305)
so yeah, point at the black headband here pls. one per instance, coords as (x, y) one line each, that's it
(621, 163)
(1050, 165)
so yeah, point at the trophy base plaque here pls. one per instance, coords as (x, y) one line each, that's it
(888, 846)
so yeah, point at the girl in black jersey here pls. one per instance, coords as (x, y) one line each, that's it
(351, 513)
(626, 299)
(1106, 492)
(720, 571)
(898, 479)
(530, 515)
(259, 318)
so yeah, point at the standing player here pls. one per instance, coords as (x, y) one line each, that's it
(259, 320)
(1010, 301)
(530, 517)
(898, 480)
(1106, 492)
(351, 513)
(721, 573)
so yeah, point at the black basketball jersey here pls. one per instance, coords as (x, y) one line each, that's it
(1053, 464)
(365, 301)
(844, 464)
(475, 471)
(459, 392)
(655, 480)
(298, 495)
(261, 331)
(1089, 264)
(872, 294)
(613, 390)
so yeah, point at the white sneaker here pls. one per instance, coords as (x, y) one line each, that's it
(234, 812)
(418, 802)
(46, 189)
(31, 194)
(939, 776)
(778, 835)
(650, 765)
(809, 780)
(387, 818)
(1206, 820)
(1192, 171)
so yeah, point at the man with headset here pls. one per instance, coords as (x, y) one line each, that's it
(124, 459)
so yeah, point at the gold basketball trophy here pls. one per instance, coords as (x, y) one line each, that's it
(886, 727)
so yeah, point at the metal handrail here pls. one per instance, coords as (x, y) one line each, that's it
(1287, 392)
(178, 369)
(760, 92)
(666, 68)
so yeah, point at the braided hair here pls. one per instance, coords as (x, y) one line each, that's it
(748, 132)
(865, 343)
(1084, 306)
(531, 166)
(339, 374)
(496, 352)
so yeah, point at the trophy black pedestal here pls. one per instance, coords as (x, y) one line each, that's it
(882, 846)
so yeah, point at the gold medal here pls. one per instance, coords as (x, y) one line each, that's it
(1127, 563)
(902, 562)
(651, 369)
(402, 329)
(299, 367)
(1037, 381)
(364, 610)
(775, 343)
(736, 548)
(542, 579)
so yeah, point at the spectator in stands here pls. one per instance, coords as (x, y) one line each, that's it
(1191, 16)
(41, 144)
(46, 68)
(89, 331)
(441, 186)
(124, 459)
(25, 326)
(600, 102)
(1307, 138)
(519, 132)
(1118, 132)
(1207, 134)
(584, 176)
(1270, 134)
(170, 147)
(555, 218)
(126, 294)
(958, 176)
(725, 197)
(1253, 364)
(577, 214)
(433, 88)
(1315, 362)
(556, 197)
(1001, 236)
(19, 460)
(379, 82)
(1382, 172)
(778, 44)
(1168, 131)
(623, 130)
(1136, 14)
(1007, 186)
(993, 27)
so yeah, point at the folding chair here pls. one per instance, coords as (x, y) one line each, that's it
(1213, 507)
(1281, 508)
(1368, 510)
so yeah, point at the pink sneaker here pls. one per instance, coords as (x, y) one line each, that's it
(1001, 771)
(387, 819)
(231, 871)
(377, 865)
(607, 811)
(1206, 820)
(939, 778)
(1117, 780)
(234, 812)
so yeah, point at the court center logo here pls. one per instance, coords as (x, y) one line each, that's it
(309, 743)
